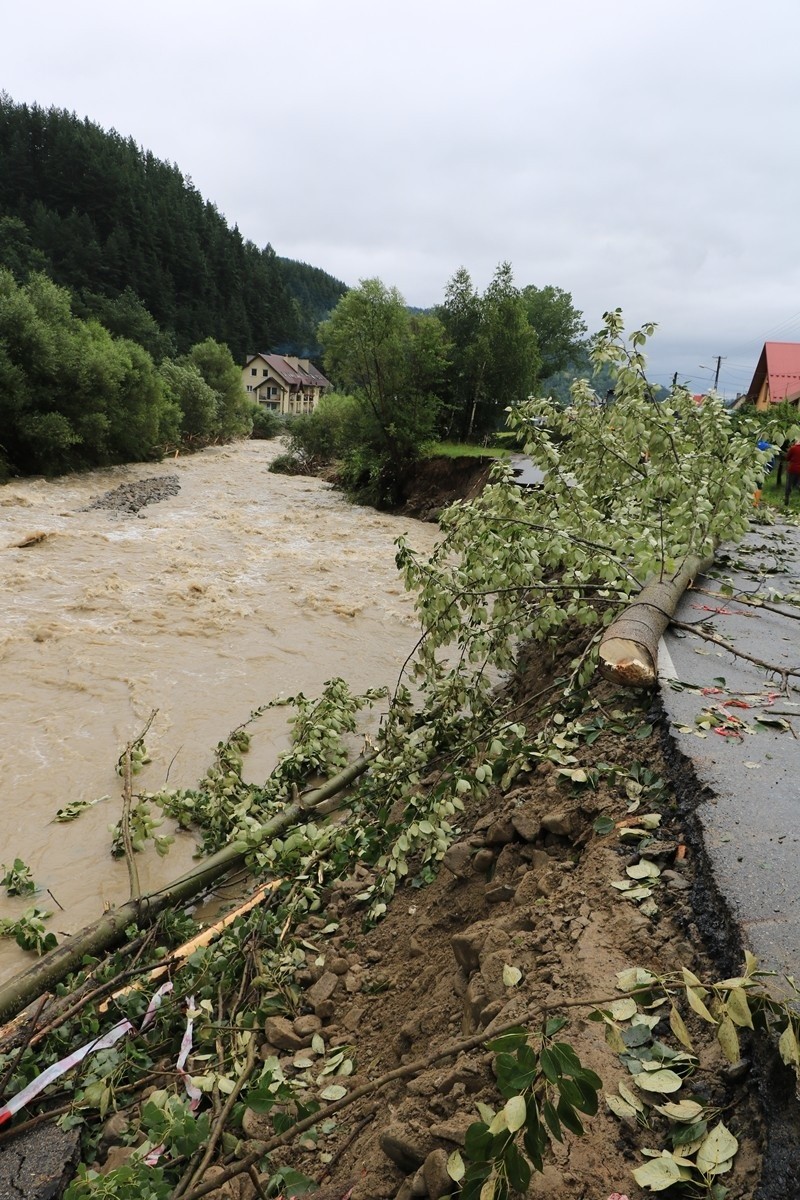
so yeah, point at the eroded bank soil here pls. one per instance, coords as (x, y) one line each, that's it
(528, 885)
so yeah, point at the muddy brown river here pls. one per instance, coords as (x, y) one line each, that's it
(241, 587)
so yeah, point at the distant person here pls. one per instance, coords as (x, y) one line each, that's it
(782, 461)
(792, 471)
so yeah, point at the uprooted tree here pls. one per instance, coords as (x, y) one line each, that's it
(633, 492)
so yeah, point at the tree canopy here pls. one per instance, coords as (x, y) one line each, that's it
(393, 363)
(138, 246)
(73, 396)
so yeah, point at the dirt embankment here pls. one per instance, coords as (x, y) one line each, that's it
(527, 885)
(437, 482)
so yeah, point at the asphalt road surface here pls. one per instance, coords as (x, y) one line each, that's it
(738, 721)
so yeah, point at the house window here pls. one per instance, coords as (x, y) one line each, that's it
(265, 372)
(249, 387)
(253, 371)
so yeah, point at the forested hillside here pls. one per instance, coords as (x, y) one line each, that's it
(138, 246)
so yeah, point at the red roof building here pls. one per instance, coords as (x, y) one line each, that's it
(777, 375)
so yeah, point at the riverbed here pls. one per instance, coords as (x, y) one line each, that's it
(241, 587)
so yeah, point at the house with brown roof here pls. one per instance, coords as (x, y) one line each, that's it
(777, 376)
(283, 383)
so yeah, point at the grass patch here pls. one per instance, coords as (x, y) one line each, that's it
(772, 496)
(465, 450)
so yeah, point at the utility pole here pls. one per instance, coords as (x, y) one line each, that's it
(720, 358)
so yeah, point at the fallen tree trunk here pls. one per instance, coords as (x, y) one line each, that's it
(109, 930)
(628, 652)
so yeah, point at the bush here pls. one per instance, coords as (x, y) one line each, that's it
(287, 464)
(266, 423)
(328, 433)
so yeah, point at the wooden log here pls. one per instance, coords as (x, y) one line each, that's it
(628, 653)
(109, 930)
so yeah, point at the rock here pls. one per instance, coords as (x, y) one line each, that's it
(118, 1156)
(737, 1070)
(405, 1192)
(468, 944)
(307, 1026)
(337, 966)
(458, 859)
(434, 1172)
(500, 832)
(483, 861)
(130, 497)
(418, 1185)
(498, 893)
(526, 823)
(241, 1187)
(322, 990)
(675, 880)
(527, 890)
(454, 1130)
(476, 998)
(507, 862)
(325, 1009)
(280, 1033)
(558, 822)
(114, 1129)
(403, 1147)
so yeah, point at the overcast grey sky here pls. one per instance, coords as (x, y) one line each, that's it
(637, 153)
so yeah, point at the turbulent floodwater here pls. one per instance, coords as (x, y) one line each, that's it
(242, 587)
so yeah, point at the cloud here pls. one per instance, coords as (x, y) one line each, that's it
(635, 155)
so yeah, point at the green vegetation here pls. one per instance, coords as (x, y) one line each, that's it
(414, 379)
(466, 450)
(138, 247)
(73, 396)
(392, 363)
(648, 485)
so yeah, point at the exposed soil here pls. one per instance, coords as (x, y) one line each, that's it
(528, 885)
(437, 482)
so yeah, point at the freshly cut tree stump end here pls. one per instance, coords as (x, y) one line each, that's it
(628, 663)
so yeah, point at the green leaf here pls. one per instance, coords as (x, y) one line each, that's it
(552, 1121)
(658, 1174)
(477, 1141)
(519, 1173)
(658, 1081)
(455, 1166)
(569, 1118)
(550, 1066)
(676, 1024)
(788, 1047)
(509, 1041)
(603, 826)
(515, 1110)
(718, 1149)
